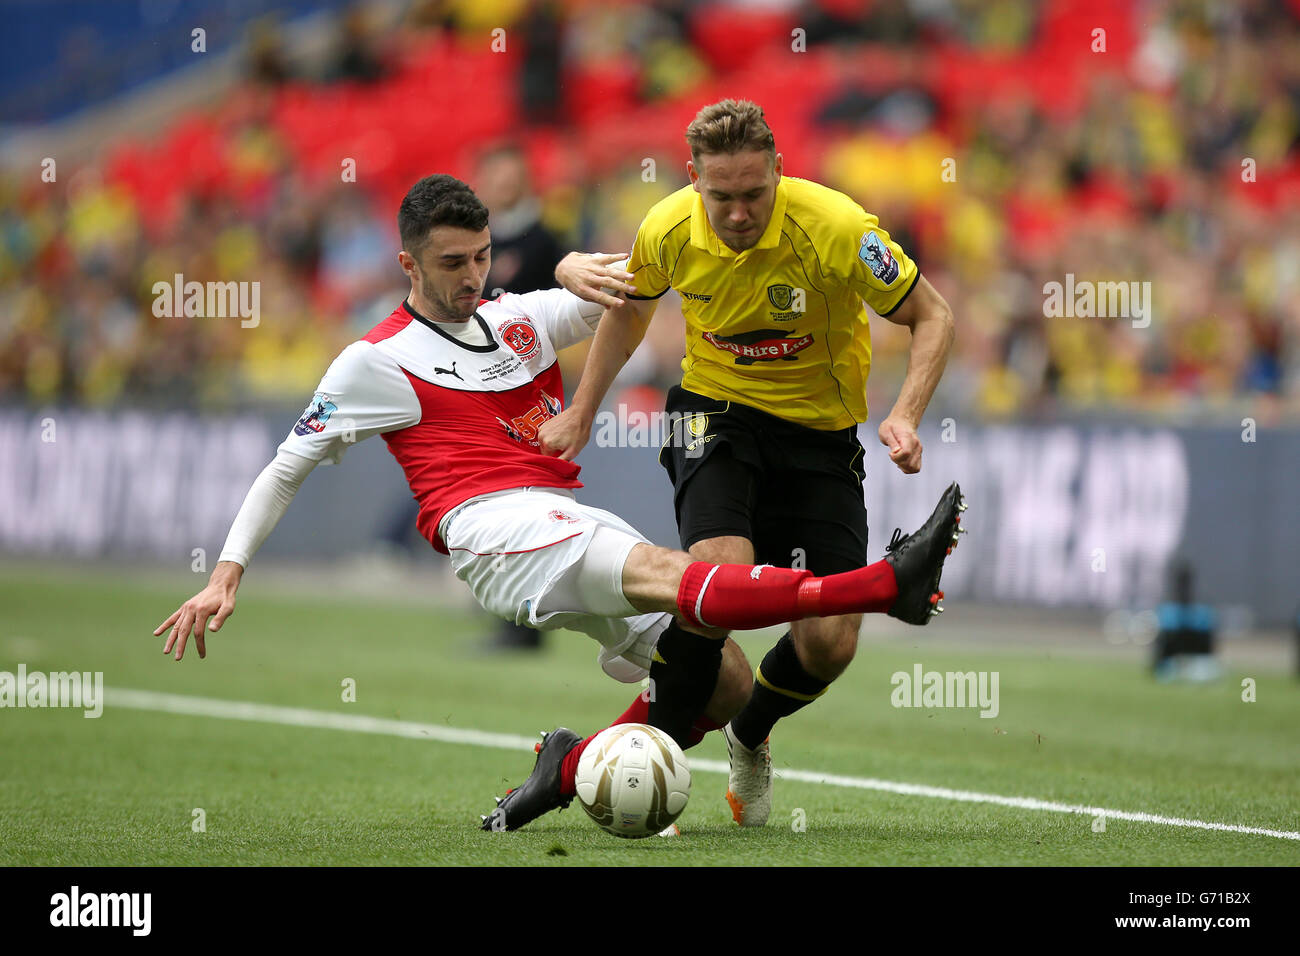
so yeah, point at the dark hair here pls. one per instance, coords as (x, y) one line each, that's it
(438, 200)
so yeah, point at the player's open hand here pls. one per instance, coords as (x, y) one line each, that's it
(206, 611)
(899, 436)
(564, 435)
(595, 277)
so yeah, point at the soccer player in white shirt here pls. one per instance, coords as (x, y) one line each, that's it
(457, 386)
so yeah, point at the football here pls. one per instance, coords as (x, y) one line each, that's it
(633, 780)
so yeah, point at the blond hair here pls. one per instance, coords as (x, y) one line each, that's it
(729, 126)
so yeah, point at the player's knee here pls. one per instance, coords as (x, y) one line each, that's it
(826, 650)
(652, 576)
(729, 549)
(718, 633)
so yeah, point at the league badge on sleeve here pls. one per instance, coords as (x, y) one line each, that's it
(315, 415)
(878, 258)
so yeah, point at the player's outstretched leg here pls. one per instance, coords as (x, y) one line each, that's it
(783, 685)
(541, 792)
(707, 595)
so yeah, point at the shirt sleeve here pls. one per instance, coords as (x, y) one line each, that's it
(264, 506)
(649, 275)
(564, 317)
(363, 393)
(881, 272)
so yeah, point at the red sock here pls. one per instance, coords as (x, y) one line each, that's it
(637, 713)
(869, 589)
(569, 768)
(702, 726)
(744, 596)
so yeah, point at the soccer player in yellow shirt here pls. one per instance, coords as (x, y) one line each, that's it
(773, 273)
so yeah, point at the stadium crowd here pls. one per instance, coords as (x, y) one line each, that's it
(1006, 145)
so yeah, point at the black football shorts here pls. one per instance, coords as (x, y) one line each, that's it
(795, 492)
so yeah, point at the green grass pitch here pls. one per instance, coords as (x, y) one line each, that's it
(121, 789)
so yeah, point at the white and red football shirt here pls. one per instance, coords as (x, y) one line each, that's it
(461, 419)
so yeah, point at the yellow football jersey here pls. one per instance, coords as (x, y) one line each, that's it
(780, 327)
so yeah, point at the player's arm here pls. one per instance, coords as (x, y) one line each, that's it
(888, 280)
(263, 507)
(362, 394)
(925, 312)
(620, 331)
(572, 314)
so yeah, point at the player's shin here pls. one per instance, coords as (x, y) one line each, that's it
(781, 687)
(569, 765)
(683, 675)
(745, 596)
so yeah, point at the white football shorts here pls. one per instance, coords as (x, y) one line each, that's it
(537, 557)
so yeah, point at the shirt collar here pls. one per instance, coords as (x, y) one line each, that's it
(703, 236)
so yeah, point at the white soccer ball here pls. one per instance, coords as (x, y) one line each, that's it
(633, 780)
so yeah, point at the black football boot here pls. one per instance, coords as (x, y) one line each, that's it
(540, 793)
(917, 559)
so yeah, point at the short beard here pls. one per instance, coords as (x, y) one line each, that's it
(449, 312)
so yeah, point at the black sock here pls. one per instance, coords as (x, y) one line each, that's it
(683, 675)
(781, 686)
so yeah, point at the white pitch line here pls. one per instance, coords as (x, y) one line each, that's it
(325, 720)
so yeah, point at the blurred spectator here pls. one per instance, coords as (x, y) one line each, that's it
(357, 56)
(267, 65)
(524, 253)
(542, 31)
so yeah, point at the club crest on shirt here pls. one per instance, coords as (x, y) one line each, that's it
(788, 303)
(781, 296)
(561, 516)
(878, 258)
(315, 415)
(521, 338)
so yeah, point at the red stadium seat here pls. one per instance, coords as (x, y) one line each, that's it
(730, 37)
